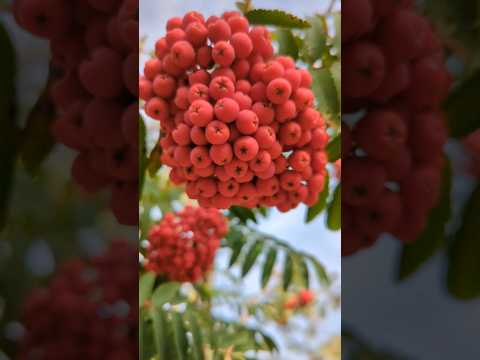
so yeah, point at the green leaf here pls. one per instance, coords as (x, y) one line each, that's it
(288, 271)
(414, 255)
(316, 209)
(337, 39)
(165, 293)
(315, 43)
(37, 139)
(464, 265)
(287, 43)
(243, 214)
(8, 122)
(142, 152)
(154, 160)
(304, 272)
(322, 274)
(145, 287)
(268, 266)
(197, 338)
(146, 337)
(334, 148)
(180, 336)
(334, 212)
(159, 332)
(236, 242)
(251, 256)
(276, 18)
(463, 107)
(325, 90)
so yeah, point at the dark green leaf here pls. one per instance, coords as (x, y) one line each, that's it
(316, 209)
(159, 332)
(287, 43)
(146, 347)
(276, 18)
(197, 338)
(463, 107)
(334, 213)
(414, 255)
(304, 272)
(288, 271)
(270, 342)
(334, 148)
(325, 89)
(251, 256)
(464, 264)
(180, 336)
(243, 214)
(8, 122)
(145, 287)
(315, 43)
(268, 266)
(236, 242)
(165, 293)
(37, 139)
(154, 163)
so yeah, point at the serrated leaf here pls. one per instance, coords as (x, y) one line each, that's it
(315, 43)
(326, 94)
(37, 138)
(180, 336)
(316, 209)
(159, 332)
(414, 255)
(165, 293)
(145, 287)
(276, 18)
(251, 256)
(8, 122)
(464, 265)
(268, 266)
(197, 337)
(334, 213)
(334, 148)
(287, 43)
(288, 271)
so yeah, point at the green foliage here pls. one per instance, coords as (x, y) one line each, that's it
(316, 209)
(276, 18)
(334, 212)
(288, 43)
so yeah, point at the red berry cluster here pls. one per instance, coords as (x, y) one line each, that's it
(472, 144)
(94, 46)
(304, 298)
(393, 81)
(238, 124)
(88, 311)
(183, 245)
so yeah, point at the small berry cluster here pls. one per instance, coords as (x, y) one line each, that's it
(393, 132)
(88, 311)
(94, 47)
(183, 245)
(472, 144)
(304, 298)
(238, 124)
